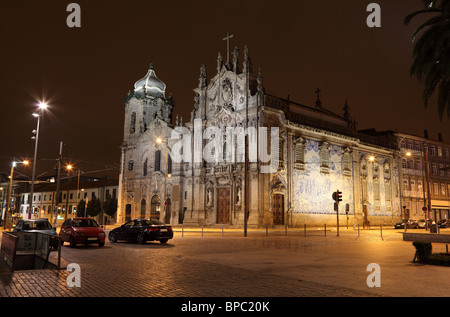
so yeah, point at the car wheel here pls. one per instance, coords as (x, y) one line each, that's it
(101, 244)
(140, 238)
(163, 241)
(112, 237)
(72, 243)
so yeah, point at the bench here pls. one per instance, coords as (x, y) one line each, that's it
(426, 237)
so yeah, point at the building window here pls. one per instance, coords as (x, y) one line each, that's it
(418, 165)
(376, 189)
(403, 144)
(387, 190)
(436, 189)
(145, 168)
(281, 154)
(347, 162)
(169, 165)
(130, 165)
(404, 164)
(419, 185)
(433, 150)
(441, 169)
(443, 193)
(434, 168)
(417, 146)
(405, 185)
(133, 122)
(158, 160)
(299, 154)
(324, 157)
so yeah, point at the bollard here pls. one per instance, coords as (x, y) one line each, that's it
(267, 230)
(222, 230)
(202, 230)
(325, 229)
(358, 233)
(381, 232)
(304, 226)
(182, 230)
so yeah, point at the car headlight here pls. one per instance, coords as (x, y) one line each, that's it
(78, 233)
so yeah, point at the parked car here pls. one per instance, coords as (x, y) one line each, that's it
(38, 225)
(82, 230)
(141, 231)
(409, 223)
(422, 223)
(443, 223)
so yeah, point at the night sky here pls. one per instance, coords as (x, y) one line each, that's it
(85, 73)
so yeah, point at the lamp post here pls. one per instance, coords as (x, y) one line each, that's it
(8, 199)
(160, 141)
(42, 106)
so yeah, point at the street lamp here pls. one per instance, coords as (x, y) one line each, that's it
(160, 141)
(8, 200)
(42, 106)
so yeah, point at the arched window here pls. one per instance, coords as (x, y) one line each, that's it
(158, 160)
(130, 165)
(144, 172)
(133, 122)
(155, 207)
(324, 157)
(169, 165)
(299, 153)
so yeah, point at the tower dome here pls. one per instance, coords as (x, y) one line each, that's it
(150, 84)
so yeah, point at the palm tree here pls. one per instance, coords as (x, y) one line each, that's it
(431, 52)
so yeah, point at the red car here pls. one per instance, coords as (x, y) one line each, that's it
(81, 231)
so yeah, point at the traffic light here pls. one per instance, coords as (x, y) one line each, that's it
(339, 196)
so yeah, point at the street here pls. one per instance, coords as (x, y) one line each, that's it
(215, 264)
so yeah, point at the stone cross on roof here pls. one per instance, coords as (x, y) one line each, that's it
(227, 38)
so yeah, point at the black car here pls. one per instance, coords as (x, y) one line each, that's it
(141, 231)
(38, 225)
(443, 223)
(409, 223)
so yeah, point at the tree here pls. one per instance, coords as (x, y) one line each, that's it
(431, 52)
(94, 207)
(110, 205)
(81, 208)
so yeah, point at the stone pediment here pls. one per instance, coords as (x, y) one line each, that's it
(157, 128)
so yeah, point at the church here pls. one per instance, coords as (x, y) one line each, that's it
(248, 157)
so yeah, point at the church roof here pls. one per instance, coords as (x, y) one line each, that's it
(150, 84)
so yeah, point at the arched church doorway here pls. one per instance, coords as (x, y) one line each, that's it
(128, 212)
(223, 205)
(278, 209)
(155, 209)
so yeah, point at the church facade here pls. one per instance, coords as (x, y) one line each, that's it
(248, 152)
